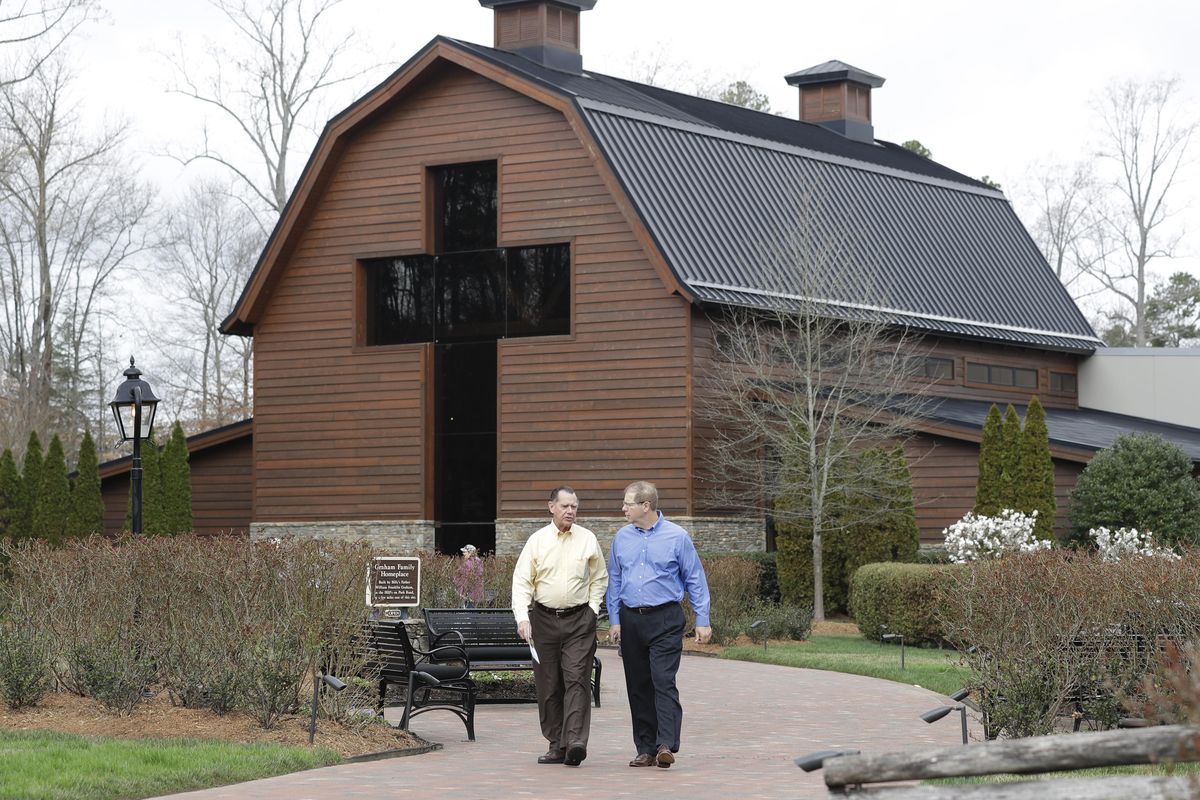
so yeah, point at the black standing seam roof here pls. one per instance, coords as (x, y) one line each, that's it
(1082, 428)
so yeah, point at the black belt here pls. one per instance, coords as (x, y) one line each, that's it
(650, 609)
(559, 612)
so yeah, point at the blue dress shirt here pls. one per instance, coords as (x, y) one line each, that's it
(649, 567)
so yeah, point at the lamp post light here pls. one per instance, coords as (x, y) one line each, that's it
(933, 715)
(133, 407)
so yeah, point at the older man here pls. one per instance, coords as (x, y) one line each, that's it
(653, 563)
(558, 584)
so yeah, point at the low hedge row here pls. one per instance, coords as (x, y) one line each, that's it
(903, 597)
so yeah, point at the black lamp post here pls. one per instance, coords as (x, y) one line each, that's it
(134, 406)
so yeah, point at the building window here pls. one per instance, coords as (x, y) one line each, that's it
(1063, 382)
(1002, 376)
(469, 290)
(939, 368)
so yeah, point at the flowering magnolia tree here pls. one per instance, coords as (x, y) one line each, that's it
(1115, 545)
(976, 536)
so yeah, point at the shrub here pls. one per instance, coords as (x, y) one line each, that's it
(12, 493)
(1140, 481)
(24, 663)
(1126, 543)
(1043, 630)
(1036, 492)
(988, 499)
(114, 670)
(782, 620)
(733, 590)
(902, 597)
(52, 500)
(176, 493)
(87, 505)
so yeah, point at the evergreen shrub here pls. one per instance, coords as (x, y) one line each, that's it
(903, 597)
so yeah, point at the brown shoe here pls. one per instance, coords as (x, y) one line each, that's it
(553, 757)
(642, 760)
(665, 757)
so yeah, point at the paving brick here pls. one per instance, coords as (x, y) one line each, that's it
(743, 724)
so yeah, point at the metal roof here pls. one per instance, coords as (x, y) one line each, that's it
(833, 71)
(1082, 428)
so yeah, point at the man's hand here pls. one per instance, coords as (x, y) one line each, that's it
(703, 634)
(614, 634)
(524, 630)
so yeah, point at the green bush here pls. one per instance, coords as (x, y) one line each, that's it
(1140, 481)
(733, 590)
(52, 499)
(904, 597)
(781, 620)
(87, 505)
(113, 670)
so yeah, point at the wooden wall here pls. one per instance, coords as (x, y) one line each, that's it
(342, 430)
(221, 489)
(944, 473)
(1043, 361)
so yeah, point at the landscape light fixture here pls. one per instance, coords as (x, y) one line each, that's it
(814, 761)
(318, 679)
(900, 636)
(933, 715)
(133, 407)
(755, 626)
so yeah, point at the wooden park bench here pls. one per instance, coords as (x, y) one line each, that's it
(434, 679)
(848, 774)
(489, 637)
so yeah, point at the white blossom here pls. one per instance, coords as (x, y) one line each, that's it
(976, 536)
(1115, 545)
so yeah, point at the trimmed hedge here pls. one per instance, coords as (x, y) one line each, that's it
(904, 597)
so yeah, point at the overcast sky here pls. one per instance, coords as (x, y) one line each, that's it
(989, 88)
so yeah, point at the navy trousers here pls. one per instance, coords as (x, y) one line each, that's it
(651, 646)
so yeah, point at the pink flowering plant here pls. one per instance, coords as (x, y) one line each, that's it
(468, 578)
(1123, 542)
(976, 536)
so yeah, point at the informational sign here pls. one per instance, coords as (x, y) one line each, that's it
(394, 581)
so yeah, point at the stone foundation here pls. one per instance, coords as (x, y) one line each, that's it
(738, 534)
(401, 537)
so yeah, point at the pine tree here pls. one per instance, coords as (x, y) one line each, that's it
(1012, 475)
(1037, 467)
(152, 512)
(991, 466)
(31, 479)
(87, 504)
(176, 484)
(905, 537)
(12, 490)
(52, 506)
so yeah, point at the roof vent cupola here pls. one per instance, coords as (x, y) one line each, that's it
(837, 96)
(544, 31)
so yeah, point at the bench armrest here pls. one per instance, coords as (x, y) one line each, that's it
(444, 654)
(452, 634)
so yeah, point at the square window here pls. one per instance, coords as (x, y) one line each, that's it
(466, 207)
(940, 368)
(471, 290)
(400, 300)
(977, 373)
(1063, 382)
(539, 290)
(1000, 376)
(1025, 378)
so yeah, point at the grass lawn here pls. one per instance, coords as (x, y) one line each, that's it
(934, 669)
(44, 765)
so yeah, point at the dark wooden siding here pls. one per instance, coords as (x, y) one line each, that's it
(221, 490)
(1043, 361)
(944, 473)
(340, 429)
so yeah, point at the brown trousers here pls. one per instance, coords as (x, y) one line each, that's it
(566, 646)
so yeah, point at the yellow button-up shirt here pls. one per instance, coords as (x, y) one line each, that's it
(559, 570)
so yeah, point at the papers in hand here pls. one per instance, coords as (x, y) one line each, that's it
(533, 652)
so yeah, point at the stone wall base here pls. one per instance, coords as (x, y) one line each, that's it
(738, 534)
(401, 537)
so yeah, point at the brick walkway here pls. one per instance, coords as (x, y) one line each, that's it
(743, 724)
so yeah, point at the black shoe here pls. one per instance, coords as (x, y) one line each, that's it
(553, 756)
(576, 753)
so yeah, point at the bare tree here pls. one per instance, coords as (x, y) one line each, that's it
(1146, 131)
(209, 242)
(1065, 205)
(266, 86)
(797, 390)
(31, 33)
(70, 217)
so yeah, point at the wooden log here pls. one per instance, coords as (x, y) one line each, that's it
(1123, 787)
(1021, 756)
